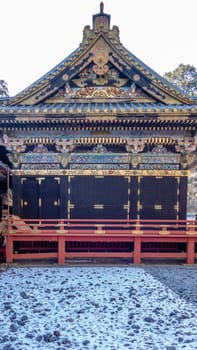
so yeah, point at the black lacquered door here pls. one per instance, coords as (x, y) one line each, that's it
(159, 197)
(50, 198)
(29, 198)
(40, 197)
(98, 197)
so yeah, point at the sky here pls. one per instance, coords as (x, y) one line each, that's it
(35, 35)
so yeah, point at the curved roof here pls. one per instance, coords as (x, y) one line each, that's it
(99, 41)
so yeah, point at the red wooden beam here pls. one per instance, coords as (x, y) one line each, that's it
(85, 230)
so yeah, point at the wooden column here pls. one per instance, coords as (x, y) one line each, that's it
(190, 250)
(137, 250)
(9, 249)
(61, 250)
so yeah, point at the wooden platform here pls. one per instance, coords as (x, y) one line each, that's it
(131, 239)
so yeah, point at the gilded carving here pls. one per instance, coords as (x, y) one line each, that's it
(65, 159)
(15, 145)
(89, 77)
(87, 34)
(99, 149)
(100, 91)
(160, 149)
(100, 58)
(14, 158)
(95, 92)
(101, 23)
(64, 146)
(186, 145)
(100, 172)
(40, 148)
(135, 160)
(136, 77)
(135, 145)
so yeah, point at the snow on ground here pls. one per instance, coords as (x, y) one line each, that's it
(89, 308)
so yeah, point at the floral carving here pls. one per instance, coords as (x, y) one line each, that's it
(64, 146)
(186, 145)
(135, 145)
(13, 144)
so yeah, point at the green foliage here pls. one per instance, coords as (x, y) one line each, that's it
(185, 77)
(3, 89)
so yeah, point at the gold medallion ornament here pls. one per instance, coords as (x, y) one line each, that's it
(100, 58)
(136, 77)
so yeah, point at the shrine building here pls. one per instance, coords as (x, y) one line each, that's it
(100, 136)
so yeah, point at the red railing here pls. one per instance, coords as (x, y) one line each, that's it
(104, 226)
(139, 233)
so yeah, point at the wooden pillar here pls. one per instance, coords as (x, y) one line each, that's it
(9, 249)
(61, 250)
(137, 250)
(190, 250)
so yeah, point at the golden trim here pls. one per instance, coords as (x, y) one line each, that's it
(137, 232)
(62, 231)
(98, 206)
(158, 207)
(98, 172)
(173, 116)
(23, 179)
(40, 179)
(176, 207)
(57, 179)
(70, 205)
(100, 140)
(99, 229)
(99, 232)
(164, 232)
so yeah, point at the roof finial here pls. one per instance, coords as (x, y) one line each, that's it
(101, 7)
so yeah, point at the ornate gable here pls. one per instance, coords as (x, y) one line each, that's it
(100, 80)
(101, 68)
